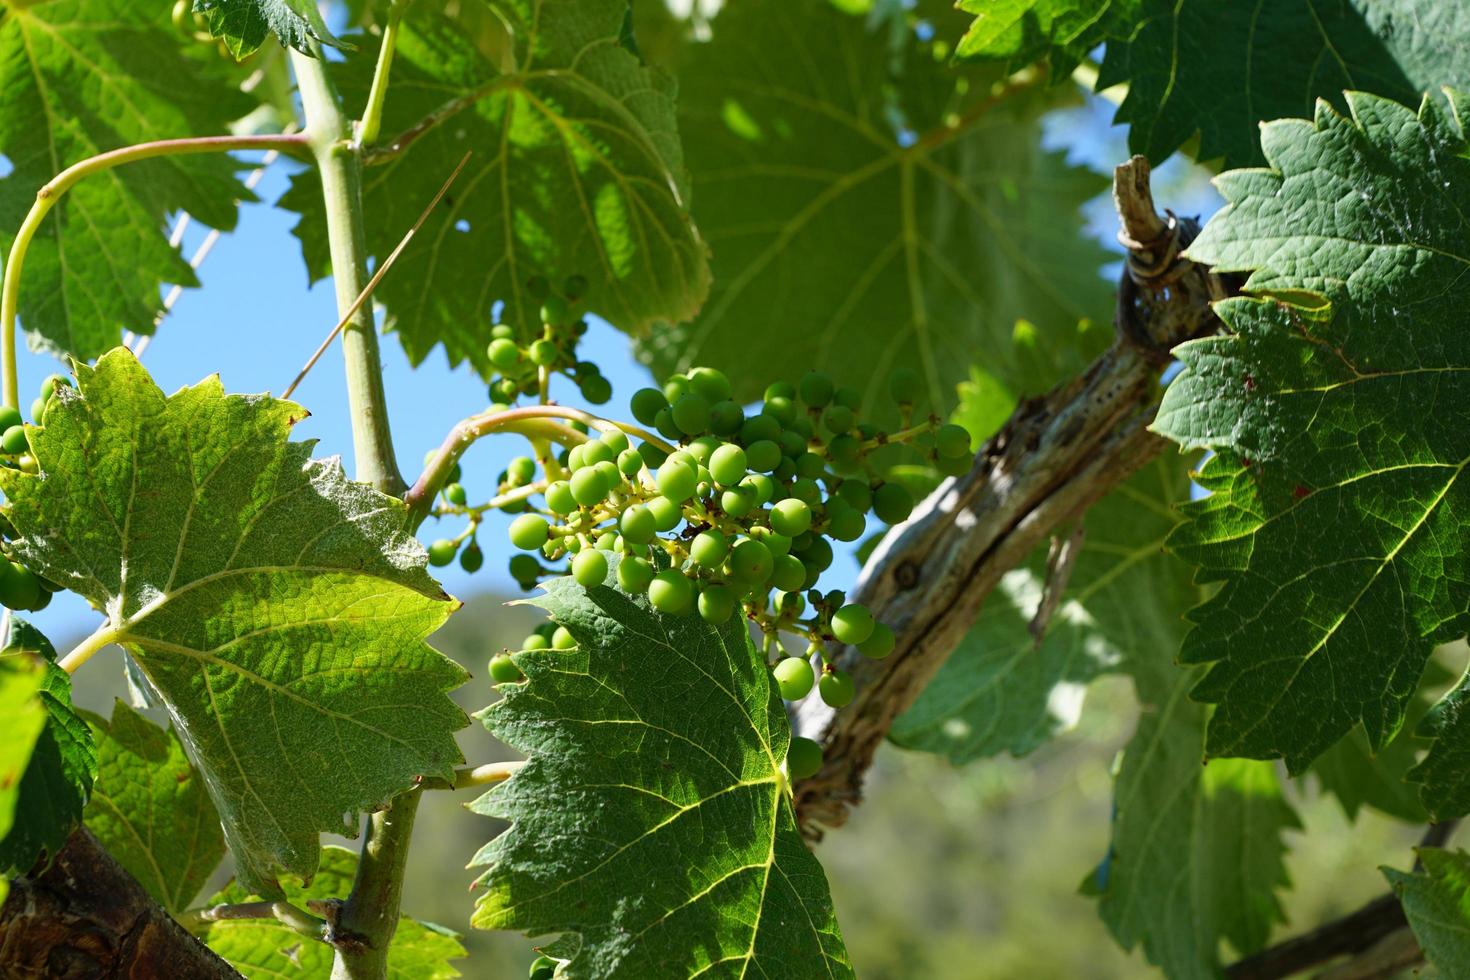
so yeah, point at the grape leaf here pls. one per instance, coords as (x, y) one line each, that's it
(1442, 777)
(261, 949)
(1000, 690)
(1018, 32)
(244, 24)
(1336, 516)
(1437, 904)
(22, 717)
(77, 78)
(63, 764)
(839, 247)
(1218, 69)
(150, 809)
(279, 609)
(655, 779)
(575, 169)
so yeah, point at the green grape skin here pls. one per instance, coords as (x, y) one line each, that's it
(710, 383)
(665, 425)
(761, 485)
(676, 387)
(503, 670)
(838, 419)
(594, 452)
(597, 390)
(653, 456)
(589, 568)
(847, 524)
(455, 494)
(792, 444)
(559, 499)
(691, 414)
(562, 639)
(802, 426)
(794, 678)
(779, 389)
(521, 470)
(716, 604)
(472, 559)
(442, 552)
(760, 427)
(646, 403)
(615, 440)
(709, 548)
(879, 644)
(791, 517)
(8, 417)
(607, 541)
(629, 463)
(725, 418)
(670, 592)
(14, 440)
(529, 532)
(524, 569)
(857, 493)
(503, 353)
(634, 574)
(817, 555)
(751, 562)
(666, 513)
(815, 388)
(776, 544)
(810, 466)
(849, 398)
(954, 466)
(787, 573)
(702, 449)
(737, 501)
(543, 352)
(952, 441)
(763, 455)
(791, 604)
(727, 465)
(52, 382)
(638, 524)
(19, 586)
(892, 504)
(852, 624)
(612, 477)
(836, 688)
(803, 758)
(677, 480)
(554, 310)
(38, 412)
(845, 451)
(589, 486)
(536, 641)
(502, 331)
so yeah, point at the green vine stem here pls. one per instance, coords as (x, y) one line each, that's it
(52, 191)
(371, 911)
(372, 116)
(329, 135)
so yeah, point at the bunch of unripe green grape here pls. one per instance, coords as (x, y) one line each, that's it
(523, 370)
(20, 588)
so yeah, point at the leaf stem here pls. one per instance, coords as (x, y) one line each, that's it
(83, 651)
(468, 778)
(340, 168)
(52, 191)
(297, 920)
(372, 115)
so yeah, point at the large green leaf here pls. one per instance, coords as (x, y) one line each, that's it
(575, 169)
(244, 24)
(1437, 904)
(278, 608)
(1001, 690)
(150, 808)
(839, 247)
(79, 77)
(264, 949)
(63, 763)
(1442, 775)
(1020, 31)
(1219, 68)
(1336, 520)
(22, 717)
(655, 787)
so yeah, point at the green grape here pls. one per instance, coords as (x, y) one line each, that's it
(852, 624)
(810, 466)
(612, 477)
(554, 310)
(536, 641)
(19, 587)
(653, 456)
(616, 440)
(879, 644)
(956, 466)
(791, 604)
(710, 383)
(638, 524)
(737, 501)
(779, 389)
(903, 385)
(597, 390)
(803, 758)
(589, 486)
(595, 451)
(780, 408)
(664, 424)
(691, 414)
(952, 441)
(504, 390)
(846, 524)
(634, 574)
(857, 493)
(676, 387)
(758, 428)
(791, 517)
(524, 569)
(503, 353)
(702, 449)
(838, 419)
(562, 638)
(472, 559)
(38, 411)
(776, 544)
(14, 440)
(892, 503)
(727, 465)
(608, 541)
(502, 331)
(817, 555)
(844, 451)
(666, 513)
(787, 573)
(442, 552)
(544, 352)
(849, 398)
(802, 426)
(529, 531)
(750, 562)
(646, 403)
(503, 670)
(576, 458)
(761, 485)
(574, 287)
(805, 490)
(629, 462)
(670, 592)
(454, 493)
(815, 389)
(763, 455)
(677, 480)
(716, 604)
(8, 417)
(589, 568)
(792, 444)
(794, 677)
(709, 548)
(543, 968)
(559, 498)
(836, 688)
(52, 382)
(521, 471)
(726, 417)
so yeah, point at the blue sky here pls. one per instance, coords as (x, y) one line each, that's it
(256, 320)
